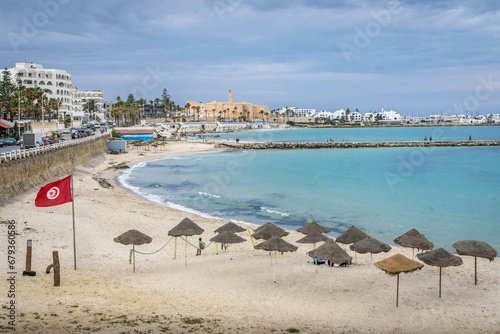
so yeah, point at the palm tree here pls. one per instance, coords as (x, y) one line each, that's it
(220, 117)
(141, 102)
(267, 116)
(53, 105)
(235, 110)
(187, 106)
(262, 114)
(157, 103)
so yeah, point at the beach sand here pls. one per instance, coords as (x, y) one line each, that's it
(164, 295)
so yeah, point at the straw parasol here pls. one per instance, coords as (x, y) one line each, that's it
(475, 248)
(133, 237)
(227, 237)
(185, 228)
(352, 235)
(414, 239)
(269, 230)
(313, 238)
(313, 227)
(231, 227)
(397, 264)
(276, 244)
(440, 258)
(332, 253)
(370, 245)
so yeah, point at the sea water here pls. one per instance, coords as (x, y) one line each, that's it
(447, 193)
(368, 134)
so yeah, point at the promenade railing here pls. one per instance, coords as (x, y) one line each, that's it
(26, 153)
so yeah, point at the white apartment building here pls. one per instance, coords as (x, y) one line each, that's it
(80, 98)
(388, 116)
(299, 112)
(53, 82)
(495, 118)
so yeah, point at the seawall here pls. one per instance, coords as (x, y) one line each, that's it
(289, 145)
(17, 176)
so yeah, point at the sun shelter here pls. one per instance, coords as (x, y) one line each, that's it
(413, 239)
(231, 227)
(440, 258)
(332, 253)
(477, 249)
(185, 228)
(133, 237)
(352, 235)
(370, 245)
(269, 230)
(227, 237)
(276, 244)
(397, 264)
(313, 238)
(313, 227)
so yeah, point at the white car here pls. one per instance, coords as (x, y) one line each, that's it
(68, 131)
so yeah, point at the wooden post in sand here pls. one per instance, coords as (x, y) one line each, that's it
(57, 268)
(397, 292)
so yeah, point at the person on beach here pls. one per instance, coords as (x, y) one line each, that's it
(470, 137)
(201, 245)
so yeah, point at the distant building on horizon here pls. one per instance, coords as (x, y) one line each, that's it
(235, 111)
(81, 97)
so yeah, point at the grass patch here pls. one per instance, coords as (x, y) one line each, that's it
(292, 330)
(192, 321)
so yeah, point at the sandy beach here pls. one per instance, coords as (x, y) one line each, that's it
(164, 295)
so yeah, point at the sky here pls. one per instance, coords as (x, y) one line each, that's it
(415, 57)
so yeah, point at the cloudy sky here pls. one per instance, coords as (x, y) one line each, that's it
(416, 57)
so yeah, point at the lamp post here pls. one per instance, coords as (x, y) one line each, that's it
(19, 111)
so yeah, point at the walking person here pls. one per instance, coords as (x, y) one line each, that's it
(201, 245)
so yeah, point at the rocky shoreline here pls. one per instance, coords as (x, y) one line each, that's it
(290, 145)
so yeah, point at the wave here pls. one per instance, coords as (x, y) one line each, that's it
(282, 214)
(208, 194)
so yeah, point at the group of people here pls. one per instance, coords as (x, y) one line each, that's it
(201, 245)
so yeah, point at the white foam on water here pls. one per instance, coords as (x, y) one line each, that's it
(208, 194)
(282, 214)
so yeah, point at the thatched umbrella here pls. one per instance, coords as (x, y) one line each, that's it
(313, 238)
(475, 248)
(276, 244)
(269, 230)
(370, 245)
(133, 237)
(440, 258)
(414, 239)
(313, 227)
(397, 264)
(227, 237)
(185, 228)
(332, 253)
(231, 227)
(352, 235)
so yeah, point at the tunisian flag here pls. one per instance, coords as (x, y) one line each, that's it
(55, 193)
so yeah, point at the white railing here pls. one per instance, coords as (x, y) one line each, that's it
(22, 154)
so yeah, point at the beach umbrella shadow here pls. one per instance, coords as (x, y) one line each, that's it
(440, 258)
(276, 244)
(186, 228)
(397, 264)
(133, 237)
(477, 249)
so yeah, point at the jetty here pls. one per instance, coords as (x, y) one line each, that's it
(292, 146)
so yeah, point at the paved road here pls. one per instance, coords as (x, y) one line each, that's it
(17, 147)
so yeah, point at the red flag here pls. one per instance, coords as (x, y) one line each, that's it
(55, 193)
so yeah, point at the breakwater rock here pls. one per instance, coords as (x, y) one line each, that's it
(291, 146)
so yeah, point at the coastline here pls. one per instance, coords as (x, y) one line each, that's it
(165, 293)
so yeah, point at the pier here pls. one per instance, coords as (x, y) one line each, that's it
(291, 145)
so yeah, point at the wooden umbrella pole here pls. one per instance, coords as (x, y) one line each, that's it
(175, 249)
(440, 282)
(274, 265)
(475, 270)
(226, 262)
(133, 251)
(331, 279)
(186, 251)
(397, 292)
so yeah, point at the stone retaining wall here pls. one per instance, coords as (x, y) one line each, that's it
(286, 146)
(17, 176)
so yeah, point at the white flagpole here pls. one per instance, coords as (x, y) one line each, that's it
(73, 206)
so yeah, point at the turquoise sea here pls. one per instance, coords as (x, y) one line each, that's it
(448, 194)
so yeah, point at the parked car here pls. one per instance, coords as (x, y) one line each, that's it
(10, 141)
(2, 143)
(67, 131)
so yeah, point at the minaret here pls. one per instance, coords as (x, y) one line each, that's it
(231, 100)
